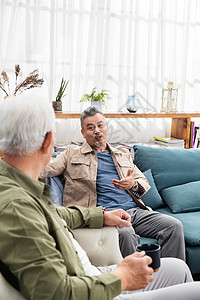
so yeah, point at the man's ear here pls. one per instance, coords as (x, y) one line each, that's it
(47, 142)
(83, 133)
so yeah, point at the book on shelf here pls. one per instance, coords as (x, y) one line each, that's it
(194, 141)
(192, 134)
(198, 143)
(170, 145)
(168, 140)
(196, 136)
(125, 145)
(60, 147)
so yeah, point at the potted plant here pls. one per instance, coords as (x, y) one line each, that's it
(96, 98)
(57, 104)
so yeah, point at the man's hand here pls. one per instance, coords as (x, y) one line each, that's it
(117, 217)
(134, 271)
(124, 183)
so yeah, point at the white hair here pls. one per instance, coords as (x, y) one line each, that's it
(24, 123)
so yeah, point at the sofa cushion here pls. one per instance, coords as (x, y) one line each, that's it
(152, 197)
(192, 257)
(182, 198)
(169, 167)
(191, 225)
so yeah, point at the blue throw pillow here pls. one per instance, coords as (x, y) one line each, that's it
(182, 198)
(56, 188)
(169, 167)
(152, 197)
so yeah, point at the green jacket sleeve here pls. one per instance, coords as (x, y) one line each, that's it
(30, 249)
(78, 216)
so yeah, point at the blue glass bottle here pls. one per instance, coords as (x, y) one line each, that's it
(132, 103)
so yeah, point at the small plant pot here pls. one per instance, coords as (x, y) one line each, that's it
(97, 104)
(57, 105)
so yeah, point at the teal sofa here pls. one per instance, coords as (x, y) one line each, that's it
(174, 176)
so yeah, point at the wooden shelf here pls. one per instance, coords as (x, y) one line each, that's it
(76, 115)
(66, 115)
(180, 121)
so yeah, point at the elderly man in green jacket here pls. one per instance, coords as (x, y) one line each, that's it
(36, 243)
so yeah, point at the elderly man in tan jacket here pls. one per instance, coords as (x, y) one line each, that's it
(97, 174)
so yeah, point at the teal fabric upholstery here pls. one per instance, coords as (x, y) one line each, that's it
(191, 225)
(176, 174)
(193, 258)
(152, 197)
(182, 198)
(169, 167)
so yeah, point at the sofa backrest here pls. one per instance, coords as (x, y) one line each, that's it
(169, 167)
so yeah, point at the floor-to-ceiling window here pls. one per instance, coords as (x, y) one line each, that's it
(125, 46)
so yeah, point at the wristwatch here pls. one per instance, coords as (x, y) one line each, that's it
(134, 187)
(104, 209)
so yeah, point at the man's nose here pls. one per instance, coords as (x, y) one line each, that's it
(96, 129)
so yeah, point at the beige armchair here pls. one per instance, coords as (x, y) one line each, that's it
(101, 246)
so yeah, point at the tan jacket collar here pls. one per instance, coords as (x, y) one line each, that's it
(113, 149)
(86, 148)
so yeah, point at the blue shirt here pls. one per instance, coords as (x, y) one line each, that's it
(107, 194)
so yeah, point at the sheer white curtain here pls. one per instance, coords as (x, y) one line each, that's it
(125, 46)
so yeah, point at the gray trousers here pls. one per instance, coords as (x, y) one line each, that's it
(166, 229)
(173, 281)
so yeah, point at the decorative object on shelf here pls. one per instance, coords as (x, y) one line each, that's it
(132, 103)
(96, 98)
(57, 105)
(169, 98)
(31, 81)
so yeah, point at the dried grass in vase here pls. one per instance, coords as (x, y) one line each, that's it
(31, 81)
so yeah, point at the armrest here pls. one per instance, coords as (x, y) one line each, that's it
(101, 245)
(7, 292)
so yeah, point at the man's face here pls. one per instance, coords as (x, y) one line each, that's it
(95, 131)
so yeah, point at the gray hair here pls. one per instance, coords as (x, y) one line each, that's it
(90, 111)
(24, 120)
